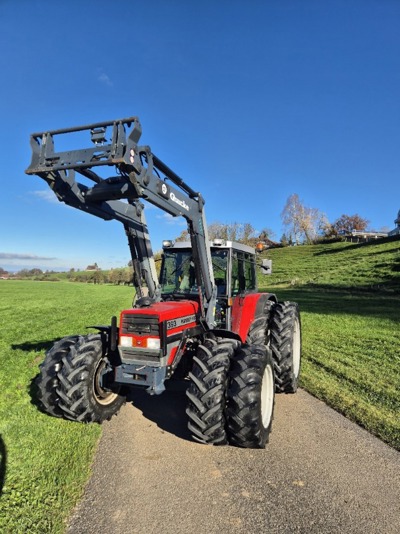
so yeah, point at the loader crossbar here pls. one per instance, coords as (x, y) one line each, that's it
(106, 151)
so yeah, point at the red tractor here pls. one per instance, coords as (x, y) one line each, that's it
(203, 319)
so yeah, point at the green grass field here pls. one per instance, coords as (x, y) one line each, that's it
(349, 300)
(47, 460)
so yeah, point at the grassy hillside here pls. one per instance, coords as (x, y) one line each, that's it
(363, 266)
(349, 296)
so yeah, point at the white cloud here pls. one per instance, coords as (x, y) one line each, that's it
(46, 195)
(105, 79)
(170, 220)
(30, 257)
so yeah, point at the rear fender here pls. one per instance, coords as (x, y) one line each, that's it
(247, 308)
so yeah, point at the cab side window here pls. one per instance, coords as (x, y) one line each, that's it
(243, 272)
(235, 273)
(249, 272)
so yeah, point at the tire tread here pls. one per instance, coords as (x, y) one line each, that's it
(207, 391)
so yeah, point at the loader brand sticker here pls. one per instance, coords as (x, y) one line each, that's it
(175, 323)
(162, 189)
(178, 201)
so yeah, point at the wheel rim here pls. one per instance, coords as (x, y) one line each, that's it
(267, 396)
(296, 348)
(102, 396)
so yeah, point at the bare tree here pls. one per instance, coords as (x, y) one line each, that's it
(345, 224)
(302, 223)
(217, 230)
(248, 233)
(234, 231)
(266, 233)
(183, 236)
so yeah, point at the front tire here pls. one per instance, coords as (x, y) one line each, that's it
(47, 380)
(207, 391)
(251, 397)
(81, 390)
(285, 336)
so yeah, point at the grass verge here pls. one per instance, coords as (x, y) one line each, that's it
(351, 355)
(44, 461)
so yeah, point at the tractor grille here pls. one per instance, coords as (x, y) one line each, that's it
(142, 355)
(140, 325)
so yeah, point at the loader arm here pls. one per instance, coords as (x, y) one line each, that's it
(133, 173)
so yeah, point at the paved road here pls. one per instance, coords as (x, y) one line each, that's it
(319, 474)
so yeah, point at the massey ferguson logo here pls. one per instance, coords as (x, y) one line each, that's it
(178, 201)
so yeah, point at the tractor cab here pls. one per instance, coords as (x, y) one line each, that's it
(234, 268)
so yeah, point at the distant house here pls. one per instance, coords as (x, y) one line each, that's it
(358, 236)
(94, 267)
(396, 231)
(3, 274)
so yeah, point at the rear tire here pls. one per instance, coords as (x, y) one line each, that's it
(207, 391)
(251, 397)
(47, 380)
(258, 332)
(82, 397)
(285, 335)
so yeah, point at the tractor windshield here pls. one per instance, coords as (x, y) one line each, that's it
(178, 277)
(177, 273)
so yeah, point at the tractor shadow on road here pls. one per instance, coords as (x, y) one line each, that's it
(166, 410)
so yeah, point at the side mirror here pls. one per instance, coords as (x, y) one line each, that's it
(266, 267)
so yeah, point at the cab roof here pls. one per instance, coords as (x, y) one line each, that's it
(216, 244)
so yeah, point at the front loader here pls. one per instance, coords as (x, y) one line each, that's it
(203, 319)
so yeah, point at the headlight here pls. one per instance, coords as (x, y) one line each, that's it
(125, 341)
(153, 342)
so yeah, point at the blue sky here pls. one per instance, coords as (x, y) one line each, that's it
(249, 101)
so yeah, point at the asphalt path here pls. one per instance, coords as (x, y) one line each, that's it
(320, 473)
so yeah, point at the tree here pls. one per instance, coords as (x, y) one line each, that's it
(23, 273)
(234, 231)
(183, 236)
(284, 240)
(345, 224)
(302, 223)
(247, 234)
(157, 259)
(266, 234)
(96, 277)
(35, 272)
(116, 276)
(128, 275)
